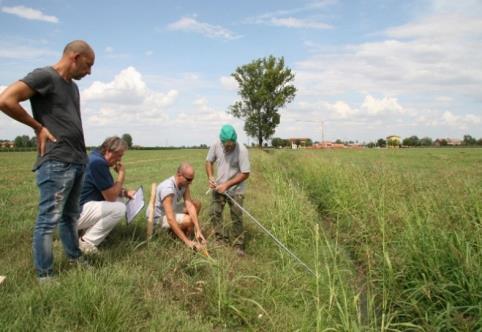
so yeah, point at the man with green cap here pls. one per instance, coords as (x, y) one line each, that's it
(232, 162)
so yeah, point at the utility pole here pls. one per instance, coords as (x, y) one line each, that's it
(322, 134)
(323, 144)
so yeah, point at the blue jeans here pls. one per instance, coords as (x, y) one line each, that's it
(59, 184)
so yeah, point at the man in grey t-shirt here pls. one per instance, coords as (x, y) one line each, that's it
(233, 169)
(61, 159)
(175, 209)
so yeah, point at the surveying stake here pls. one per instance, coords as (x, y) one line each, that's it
(150, 218)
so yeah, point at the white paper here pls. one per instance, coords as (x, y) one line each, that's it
(135, 205)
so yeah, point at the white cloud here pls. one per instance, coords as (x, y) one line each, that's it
(441, 27)
(386, 108)
(373, 106)
(460, 122)
(30, 14)
(285, 18)
(192, 25)
(435, 55)
(444, 99)
(341, 110)
(2, 87)
(206, 115)
(126, 100)
(229, 83)
(22, 52)
(291, 22)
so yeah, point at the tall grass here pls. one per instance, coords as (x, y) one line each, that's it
(162, 286)
(393, 238)
(411, 223)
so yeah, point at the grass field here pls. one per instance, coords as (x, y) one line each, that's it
(393, 236)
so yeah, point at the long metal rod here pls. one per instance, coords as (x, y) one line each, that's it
(278, 242)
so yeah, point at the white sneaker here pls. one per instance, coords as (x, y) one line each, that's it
(87, 248)
(48, 281)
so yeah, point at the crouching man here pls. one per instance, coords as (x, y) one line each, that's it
(102, 198)
(174, 214)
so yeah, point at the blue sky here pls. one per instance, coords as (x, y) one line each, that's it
(365, 69)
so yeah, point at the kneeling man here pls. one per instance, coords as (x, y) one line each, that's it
(101, 199)
(180, 217)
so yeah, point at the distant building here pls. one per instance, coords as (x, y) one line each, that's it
(447, 142)
(329, 145)
(298, 142)
(356, 146)
(394, 141)
(454, 141)
(7, 144)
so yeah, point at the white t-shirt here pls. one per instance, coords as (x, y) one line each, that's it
(229, 164)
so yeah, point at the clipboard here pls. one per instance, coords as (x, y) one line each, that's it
(135, 205)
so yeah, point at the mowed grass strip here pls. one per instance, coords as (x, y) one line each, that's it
(161, 285)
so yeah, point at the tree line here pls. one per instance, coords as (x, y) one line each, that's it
(414, 141)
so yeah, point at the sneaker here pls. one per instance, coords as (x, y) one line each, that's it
(80, 262)
(221, 239)
(87, 248)
(239, 251)
(47, 281)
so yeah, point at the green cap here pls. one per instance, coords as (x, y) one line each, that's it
(228, 134)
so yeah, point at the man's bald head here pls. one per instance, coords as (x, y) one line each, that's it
(77, 60)
(185, 168)
(78, 46)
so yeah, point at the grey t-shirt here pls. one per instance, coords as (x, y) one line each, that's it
(229, 164)
(56, 105)
(164, 189)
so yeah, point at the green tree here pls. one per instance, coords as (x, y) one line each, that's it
(128, 139)
(22, 141)
(33, 141)
(469, 140)
(426, 141)
(441, 142)
(381, 143)
(18, 142)
(277, 142)
(392, 142)
(264, 88)
(411, 141)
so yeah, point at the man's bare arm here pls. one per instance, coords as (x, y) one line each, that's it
(10, 100)
(210, 173)
(111, 194)
(238, 178)
(171, 219)
(191, 210)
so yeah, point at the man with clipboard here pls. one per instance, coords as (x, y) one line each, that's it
(102, 198)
